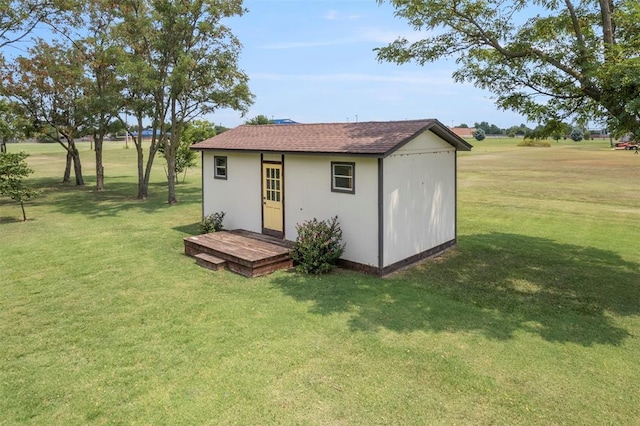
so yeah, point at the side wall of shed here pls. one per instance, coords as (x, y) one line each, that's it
(419, 193)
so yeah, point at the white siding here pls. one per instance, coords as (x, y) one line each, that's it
(419, 197)
(272, 157)
(308, 195)
(239, 196)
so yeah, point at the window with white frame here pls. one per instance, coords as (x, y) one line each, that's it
(219, 167)
(343, 177)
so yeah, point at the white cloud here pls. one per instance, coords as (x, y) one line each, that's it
(334, 15)
(331, 15)
(304, 44)
(360, 35)
(382, 35)
(437, 79)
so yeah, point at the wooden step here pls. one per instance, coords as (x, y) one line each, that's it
(210, 262)
(243, 254)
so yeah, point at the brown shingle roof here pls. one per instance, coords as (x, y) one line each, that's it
(463, 132)
(364, 138)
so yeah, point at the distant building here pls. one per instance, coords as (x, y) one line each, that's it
(463, 132)
(284, 121)
(146, 133)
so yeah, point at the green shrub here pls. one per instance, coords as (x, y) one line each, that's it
(576, 135)
(13, 168)
(212, 223)
(318, 245)
(534, 142)
(479, 134)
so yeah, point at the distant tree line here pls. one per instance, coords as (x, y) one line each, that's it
(492, 129)
(554, 130)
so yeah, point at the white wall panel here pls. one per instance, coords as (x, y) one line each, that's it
(308, 195)
(239, 196)
(419, 197)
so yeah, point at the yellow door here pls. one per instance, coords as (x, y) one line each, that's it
(272, 196)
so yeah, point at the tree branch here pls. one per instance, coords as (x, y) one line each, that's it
(576, 24)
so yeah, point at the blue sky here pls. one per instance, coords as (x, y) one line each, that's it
(313, 61)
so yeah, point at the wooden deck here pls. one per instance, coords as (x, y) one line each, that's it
(244, 252)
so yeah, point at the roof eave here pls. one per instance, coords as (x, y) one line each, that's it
(285, 152)
(445, 133)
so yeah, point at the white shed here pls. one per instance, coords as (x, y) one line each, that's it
(391, 184)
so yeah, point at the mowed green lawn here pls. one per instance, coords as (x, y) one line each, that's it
(533, 319)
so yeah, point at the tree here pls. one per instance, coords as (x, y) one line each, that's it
(49, 85)
(19, 18)
(142, 81)
(192, 65)
(557, 130)
(479, 134)
(203, 74)
(522, 129)
(259, 120)
(490, 129)
(576, 134)
(194, 131)
(12, 169)
(562, 60)
(103, 91)
(12, 123)
(197, 131)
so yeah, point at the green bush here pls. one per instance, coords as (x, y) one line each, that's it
(534, 142)
(212, 223)
(318, 245)
(479, 134)
(576, 135)
(13, 168)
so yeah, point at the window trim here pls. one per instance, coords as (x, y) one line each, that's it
(352, 190)
(215, 167)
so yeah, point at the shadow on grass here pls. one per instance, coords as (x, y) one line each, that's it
(117, 197)
(191, 229)
(12, 219)
(493, 284)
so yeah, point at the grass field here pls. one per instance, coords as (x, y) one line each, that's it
(533, 319)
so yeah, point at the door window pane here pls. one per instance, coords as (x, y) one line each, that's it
(272, 184)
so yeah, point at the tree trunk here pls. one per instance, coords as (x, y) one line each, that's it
(98, 139)
(67, 169)
(137, 141)
(171, 177)
(606, 11)
(147, 172)
(170, 154)
(24, 214)
(142, 193)
(77, 165)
